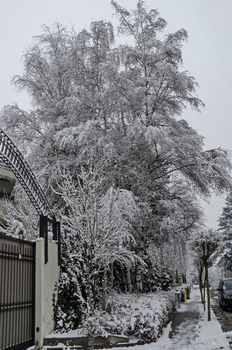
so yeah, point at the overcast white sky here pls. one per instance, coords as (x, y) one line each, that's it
(207, 54)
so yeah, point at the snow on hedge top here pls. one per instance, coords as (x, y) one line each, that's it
(139, 315)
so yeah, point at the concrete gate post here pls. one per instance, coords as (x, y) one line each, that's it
(46, 278)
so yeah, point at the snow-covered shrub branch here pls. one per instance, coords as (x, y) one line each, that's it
(98, 225)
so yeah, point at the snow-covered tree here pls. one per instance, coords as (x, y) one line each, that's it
(225, 227)
(98, 226)
(205, 244)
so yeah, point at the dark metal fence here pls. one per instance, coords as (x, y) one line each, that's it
(17, 293)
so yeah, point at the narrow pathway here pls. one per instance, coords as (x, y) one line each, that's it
(190, 330)
(185, 325)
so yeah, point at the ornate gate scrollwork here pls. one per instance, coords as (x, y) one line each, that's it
(15, 161)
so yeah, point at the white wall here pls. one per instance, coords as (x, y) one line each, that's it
(47, 276)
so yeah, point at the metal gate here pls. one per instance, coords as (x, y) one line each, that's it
(17, 293)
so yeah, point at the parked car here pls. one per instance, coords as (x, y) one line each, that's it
(225, 293)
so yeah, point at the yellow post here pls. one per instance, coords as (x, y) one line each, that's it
(185, 295)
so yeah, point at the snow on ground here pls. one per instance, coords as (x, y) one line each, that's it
(190, 330)
(77, 333)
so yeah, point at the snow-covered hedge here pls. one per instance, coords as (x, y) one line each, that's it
(139, 315)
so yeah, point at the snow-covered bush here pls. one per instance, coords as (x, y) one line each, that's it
(157, 277)
(71, 305)
(139, 315)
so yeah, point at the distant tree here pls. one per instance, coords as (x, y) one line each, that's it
(205, 244)
(225, 227)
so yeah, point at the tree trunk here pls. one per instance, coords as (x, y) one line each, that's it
(204, 295)
(139, 269)
(201, 286)
(128, 278)
(112, 276)
(88, 265)
(88, 283)
(94, 295)
(201, 292)
(200, 269)
(105, 122)
(207, 287)
(104, 291)
(138, 278)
